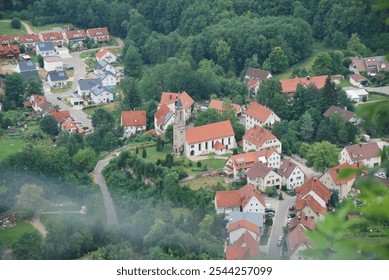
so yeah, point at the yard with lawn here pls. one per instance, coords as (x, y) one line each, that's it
(109, 107)
(207, 183)
(49, 27)
(9, 235)
(62, 90)
(7, 30)
(10, 145)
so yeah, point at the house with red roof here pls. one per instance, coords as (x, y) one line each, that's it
(60, 116)
(133, 122)
(292, 175)
(162, 119)
(40, 104)
(74, 37)
(260, 176)
(99, 35)
(239, 228)
(257, 114)
(247, 199)
(219, 107)
(107, 55)
(289, 86)
(55, 37)
(7, 40)
(28, 40)
(343, 185)
(9, 52)
(170, 98)
(210, 138)
(254, 78)
(259, 138)
(72, 127)
(369, 154)
(237, 165)
(303, 219)
(372, 65)
(296, 242)
(246, 247)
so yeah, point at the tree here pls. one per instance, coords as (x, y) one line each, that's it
(14, 91)
(144, 153)
(267, 90)
(355, 45)
(322, 155)
(169, 160)
(85, 159)
(15, 23)
(306, 128)
(132, 99)
(322, 65)
(208, 116)
(277, 61)
(33, 85)
(168, 135)
(133, 62)
(31, 197)
(29, 246)
(102, 118)
(49, 125)
(40, 61)
(122, 251)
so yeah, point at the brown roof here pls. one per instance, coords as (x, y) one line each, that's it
(219, 146)
(14, 49)
(303, 219)
(95, 32)
(243, 224)
(296, 238)
(60, 116)
(290, 85)
(171, 97)
(259, 112)
(314, 185)
(252, 83)
(247, 192)
(357, 77)
(133, 118)
(162, 114)
(28, 38)
(256, 74)
(228, 198)
(209, 132)
(51, 36)
(258, 170)
(218, 105)
(247, 160)
(5, 40)
(75, 34)
(346, 115)
(245, 247)
(334, 172)
(258, 136)
(363, 151)
(52, 59)
(287, 167)
(39, 100)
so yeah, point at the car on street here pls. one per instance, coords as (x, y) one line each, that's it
(59, 97)
(279, 241)
(69, 67)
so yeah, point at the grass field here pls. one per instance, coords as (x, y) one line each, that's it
(10, 145)
(6, 29)
(345, 83)
(10, 235)
(214, 163)
(207, 183)
(153, 155)
(377, 97)
(49, 27)
(109, 107)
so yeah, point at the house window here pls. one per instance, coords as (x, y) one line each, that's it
(192, 146)
(199, 146)
(223, 141)
(206, 145)
(229, 140)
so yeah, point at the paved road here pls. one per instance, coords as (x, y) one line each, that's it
(384, 90)
(112, 218)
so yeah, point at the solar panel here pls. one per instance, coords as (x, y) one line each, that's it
(61, 74)
(240, 160)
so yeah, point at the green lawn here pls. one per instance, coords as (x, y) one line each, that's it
(49, 27)
(214, 163)
(10, 235)
(153, 155)
(61, 90)
(6, 29)
(109, 107)
(345, 83)
(377, 96)
(10, 145)
(207, 183)
(88, 54)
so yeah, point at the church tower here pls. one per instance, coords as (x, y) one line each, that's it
(179, 127)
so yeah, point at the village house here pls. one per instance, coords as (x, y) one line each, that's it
(289, 86)
(9, 52)
(368, 153)
(170, 98)
(57, 79)
(25, 66)
(40, 105)
(343, 185)
(100, 94)
(7, 40)
(296, 242)
(256, 218)
(292, 175)
(246, 247)
(209, 138)
(108, 79)
(105, 54)
(260, 176)
(259, 138)
(103, 66)
(72, 127)
(237, 229)
(52, 63)
(45, 49)
(28, 40)
(85, 86)
(257, 114)
(74, 37)
(247, 199)
(357, 95)
(357, 80)
(348, 116)
(371, 65)
(254, 77)
(307, 222)
(60, 116)
(162, 119)
(55, 37)
(99, 35)
(237, 165)
(133, 122)
(218, 106)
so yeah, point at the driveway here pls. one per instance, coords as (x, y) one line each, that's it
(383, 90)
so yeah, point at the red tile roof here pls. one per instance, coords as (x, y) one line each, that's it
(75, 34)
(14, 49)
(243, 224)
(102, 52)
(95, 32)
(162, 113)
(314, 185)
(5, 40)
(290, 85)
(209, 132)
(133, 118)
(359, 152)
(259, 112)
(310, 202)
(258, 136)
(52, 59)
(51, 36)
(247, 193)
(303, 219)
(28, 38)
(334, 172)
(38, 100)
(287, 167)
(238, 198)
(248, 241)
(236, 253)
(219, 146)
(252, 83)
(296, 238)
(258, 170)
(171, 97)
(218, 106)
(72, 127)
(60, 116)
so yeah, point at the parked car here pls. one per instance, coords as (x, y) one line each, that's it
(279, 241)
(59, 97)
(69, 67)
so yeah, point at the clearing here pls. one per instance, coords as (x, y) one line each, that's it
(207, 183)
(9, 235)
(7, 30)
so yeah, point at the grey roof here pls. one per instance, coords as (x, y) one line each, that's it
(58, 76)
(87, 84)
(179, 103)
(255, 218)
(104, 74)
(30, 74)
(26, 66)
(101, 64)
(46, 46)
(97, 90)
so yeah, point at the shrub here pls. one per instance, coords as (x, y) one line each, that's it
(15, 23)
(280, 197)
(144, 153)
(283, 188)
(198, 164)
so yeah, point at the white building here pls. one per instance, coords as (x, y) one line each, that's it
(237, 229)
(133, 122)
(57, 79)
(257, 114)
(101, 94)
(108, 79)
(368, 153)
(105, 54)
(260, 176)
(52, 63)
(357, 95)
(292, 175)
(85, 86)
(45, 49)
(259, 138)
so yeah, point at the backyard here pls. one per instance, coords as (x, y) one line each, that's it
(207, 183)
(9, 235)
(7, 30)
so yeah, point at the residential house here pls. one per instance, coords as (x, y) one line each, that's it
(357, 80)
(57, 79)
(256, 218)
(52, 63)
(260, 176)
(371, 65)
(357, 95)
(303, 219)
(369, 154)
(55, 37)
(133, 122)
(237, 229)
(312, 199)
(100, 94)
(246, 247)
(74, 37)
(259, 138)
(218, 106)
(103, 66)
(72, 127)
(209, 138)
(170, 98)
(9, 52)
(30, 74)
(99, 35)
(40, 105)
(296, 242)
(254, 78)
(108, 79)
(28, 40)
(162, 119)
(60, 116)
(237, 165)
(343, 185)
(45, 49)
(289, 86)
(257, 114)
(292, 175)
(7, 40)
(24, 66)
(107, 55)
(348, 116)
(85, 86)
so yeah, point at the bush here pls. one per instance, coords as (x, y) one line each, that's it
(198, 164)
(280, 197)
(283, 188)
(269, 221)
(15, 23)
(181, 174)
(137, 150)
(271, 191)
(144, 153)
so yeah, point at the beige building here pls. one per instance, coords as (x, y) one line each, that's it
(368, 153)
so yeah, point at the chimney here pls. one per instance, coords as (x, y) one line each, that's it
(357, 163)
(314, 179)
(308, 78)
(337, 170)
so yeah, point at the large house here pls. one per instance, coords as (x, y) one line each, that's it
(260, 176)
(133, 122)
(292, 175)
(55, 37)
(368, 153)
(9, 52)
(7, 40)
(357, 80)
(296, 241)
(289, 86)
(25, 66)
(60, 116)
(348, 116)
(239, 228)
(357, 95)
(209, 138)
(259, 138)
(85, 86)
(218, 106)
(74, 37)
(247, 199)
(246, 247)
(57, 79)
(257, 114)
(100, 94)
(254, 78)
(103, 66)
(105, 54)
(99, 35)
(40, 105)
(163, 118)
(343, 185)
(72, 127)
(237, 165)
(45, 49)
(108, 79)
(52, 63)
(28, 40)
(170, 98)
(371, 65)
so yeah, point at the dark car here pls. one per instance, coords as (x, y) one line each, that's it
(69, 67)
(59, 97)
